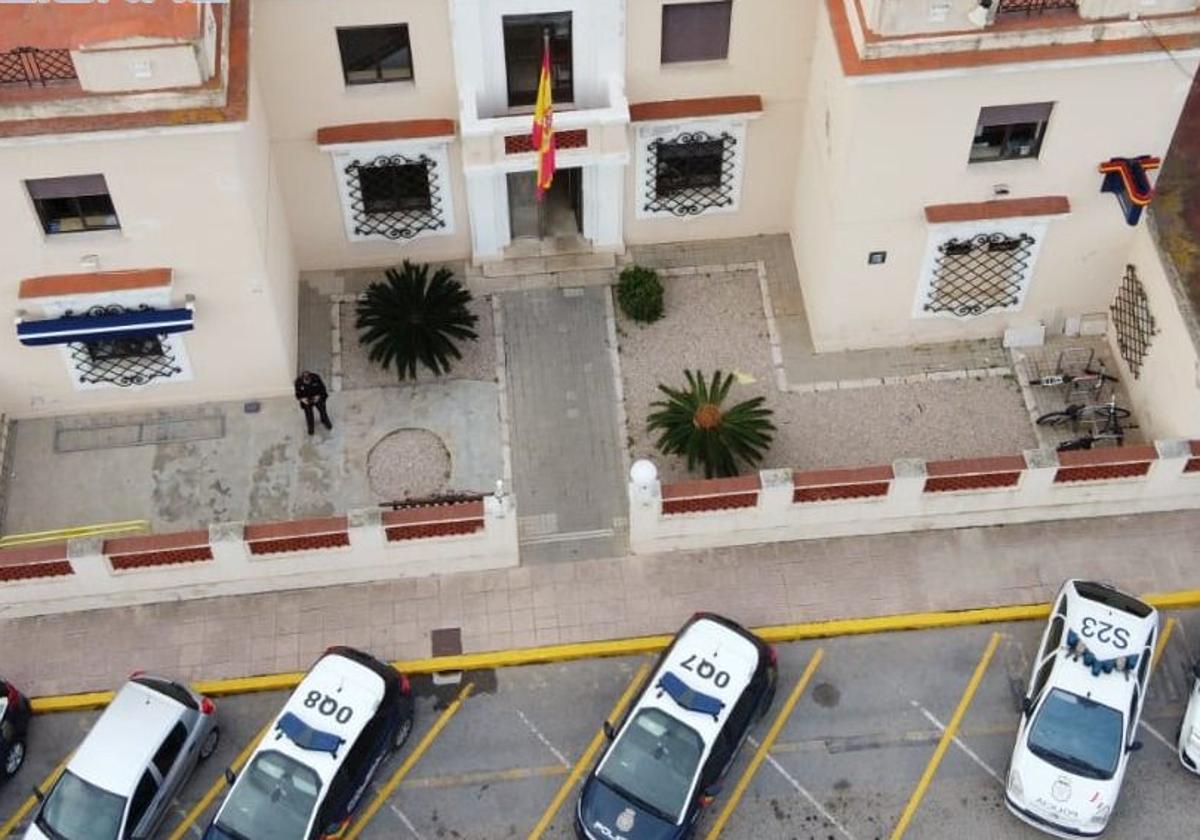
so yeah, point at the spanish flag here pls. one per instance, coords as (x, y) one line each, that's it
(543, 127)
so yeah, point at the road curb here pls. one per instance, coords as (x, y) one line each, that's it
(1183, 599)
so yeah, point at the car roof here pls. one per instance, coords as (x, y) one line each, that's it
(351, 684)
(117, 750)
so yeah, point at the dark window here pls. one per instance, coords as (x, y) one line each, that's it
(1008, 132)
(393, 187)
(1043, 675)
(373, 54)
(1054, 636)
(123, 348)
(68, 205)
(1133, 713)
(696, 31)
(688, 166)
(173, 690)
(523, 46)
(167, 754)
(140, 803)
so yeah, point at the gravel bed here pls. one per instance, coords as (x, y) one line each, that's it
(716, 321)
(478, 360)
(409, 464)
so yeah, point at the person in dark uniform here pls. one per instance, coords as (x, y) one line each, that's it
(311, 393)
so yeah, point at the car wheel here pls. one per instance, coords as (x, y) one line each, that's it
(14, 758)
(402, 733)
(210, 743)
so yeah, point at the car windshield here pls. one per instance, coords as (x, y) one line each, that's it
(273, 800)
(654, 762)
(1078, 735)
(78, 810)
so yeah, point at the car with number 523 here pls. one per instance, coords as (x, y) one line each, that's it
(308, 774)
(668, 757)
(1080, 715)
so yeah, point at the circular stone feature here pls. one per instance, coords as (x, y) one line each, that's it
(408, 464)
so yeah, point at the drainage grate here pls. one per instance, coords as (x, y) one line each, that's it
(144, 433)
(1133, 321)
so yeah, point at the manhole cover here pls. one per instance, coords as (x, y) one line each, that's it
(408, 464)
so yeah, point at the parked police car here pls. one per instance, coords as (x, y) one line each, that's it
(1189, 730)
(122, 779)
(310, 771)
(14, 724)
(680, 736)
(1081, 713)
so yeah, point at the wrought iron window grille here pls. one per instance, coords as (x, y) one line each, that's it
(395, 196)
(690, 173)
(1033, 7)
(1133, 321)
(123, 362)
(973, 276)
(30, 65)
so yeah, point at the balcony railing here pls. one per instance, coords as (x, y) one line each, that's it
(30, 65)
(1033, 7)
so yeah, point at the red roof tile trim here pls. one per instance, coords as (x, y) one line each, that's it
(155, 542)
(296, 528)
(1005, 208)
(712, 106)
(21, 555)
(51, 26)
(94, 282)
(382, 131)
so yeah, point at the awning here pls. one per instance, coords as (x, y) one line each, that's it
(84, 328)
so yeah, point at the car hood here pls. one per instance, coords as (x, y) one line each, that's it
(34, 833)
(606, 815)
(1058, 795)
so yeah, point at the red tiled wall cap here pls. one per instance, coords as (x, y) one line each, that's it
(711, 106)
(94, 282)
(433, 513)
(297, 528)
(155, 542)
(975, 466)
(1112, 455)
(23, 555)
(375, 132)
(1005, 208)
(711, 487)
(848, 475)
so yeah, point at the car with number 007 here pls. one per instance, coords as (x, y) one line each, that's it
(667, 759)
(1080, 716)
(307, 776)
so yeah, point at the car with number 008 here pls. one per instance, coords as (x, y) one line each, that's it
(307, 776)
(667, 759)
(1080, 716)
(121, 781)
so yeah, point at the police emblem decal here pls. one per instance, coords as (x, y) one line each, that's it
(625, 820)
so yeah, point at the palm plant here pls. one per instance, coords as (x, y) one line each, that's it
(692, 423)
(411, 318)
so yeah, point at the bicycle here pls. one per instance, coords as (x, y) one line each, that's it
(1105, 419)
(1087, 381)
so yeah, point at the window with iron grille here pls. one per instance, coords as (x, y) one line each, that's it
(978, 274)
(375, 54)
(73, 204)
(124, 362)
(394, 196)
(690, 173)
(1132, 321)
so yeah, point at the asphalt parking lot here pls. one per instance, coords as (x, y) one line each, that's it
(846, 763)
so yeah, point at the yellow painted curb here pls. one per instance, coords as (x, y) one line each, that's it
(1185, 599)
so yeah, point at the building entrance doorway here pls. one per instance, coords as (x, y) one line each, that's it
(559, 213)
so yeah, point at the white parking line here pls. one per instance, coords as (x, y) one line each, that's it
(1158, 736)
(828, 817)
(562, 759)
(958, 742)
(404, 819)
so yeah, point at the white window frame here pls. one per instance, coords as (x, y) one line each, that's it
(648, 132)
(438, 151)
(1034, 226)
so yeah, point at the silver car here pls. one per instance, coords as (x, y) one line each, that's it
(136, 757)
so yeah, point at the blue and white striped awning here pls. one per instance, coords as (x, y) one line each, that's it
(84, 328)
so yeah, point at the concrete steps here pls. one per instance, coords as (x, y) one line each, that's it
(553, 264)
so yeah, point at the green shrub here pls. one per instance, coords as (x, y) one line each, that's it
(640, 294)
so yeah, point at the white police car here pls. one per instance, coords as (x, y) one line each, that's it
(680, 736)
(1189, 730)
(314, 763)
(1080, 716)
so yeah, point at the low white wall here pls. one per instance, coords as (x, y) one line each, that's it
(234, 570)
(907, 506)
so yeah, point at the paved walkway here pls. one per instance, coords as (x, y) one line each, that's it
(606, 598)
(567, 470)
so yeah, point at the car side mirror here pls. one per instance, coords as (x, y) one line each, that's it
(1196, 670)
(609, 732)
(1135, 746)
(1026, 705)
(230, 776)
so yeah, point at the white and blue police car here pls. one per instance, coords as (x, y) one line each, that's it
(309, 772)
(667, 759)
(1189, 729)
(1080, 715)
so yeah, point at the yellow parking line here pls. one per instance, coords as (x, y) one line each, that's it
(413, 757)
(30, 803)
(585, 760)
(1162, 641)
(951, 730)
(761, 753)
(219, 785)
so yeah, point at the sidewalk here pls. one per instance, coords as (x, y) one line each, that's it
(598, 599)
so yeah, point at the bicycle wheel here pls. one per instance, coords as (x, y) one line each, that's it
(1106, 412)
(1056, 418)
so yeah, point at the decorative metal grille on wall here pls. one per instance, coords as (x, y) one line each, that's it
(122, 361)
(972, 276)
(690, 173)
(1133, 321)
(30, 64)
(417, 206)
(1033, 7)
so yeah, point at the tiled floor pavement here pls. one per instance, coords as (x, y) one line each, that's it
(595, 599)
